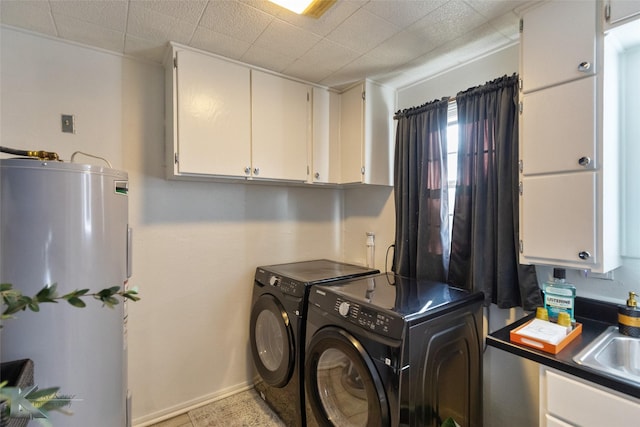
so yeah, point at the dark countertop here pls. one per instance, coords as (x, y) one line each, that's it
(595, 316)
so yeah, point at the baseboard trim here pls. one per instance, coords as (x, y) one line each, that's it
(185, 407)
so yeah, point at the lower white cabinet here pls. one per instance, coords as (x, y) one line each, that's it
(566, 400)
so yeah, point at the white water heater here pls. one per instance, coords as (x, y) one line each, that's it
(67, 223)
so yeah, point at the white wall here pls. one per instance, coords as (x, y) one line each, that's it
(460, 78)
(196, 244)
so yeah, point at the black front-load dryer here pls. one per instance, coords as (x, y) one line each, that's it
(390, 351)
(277, 328)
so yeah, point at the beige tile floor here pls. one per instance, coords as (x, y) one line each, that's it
(245, 409)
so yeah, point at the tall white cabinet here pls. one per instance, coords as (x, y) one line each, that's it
(569, 207)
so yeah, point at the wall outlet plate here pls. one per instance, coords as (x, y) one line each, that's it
(68, 123)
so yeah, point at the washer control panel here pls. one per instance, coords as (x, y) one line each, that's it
(359, 314)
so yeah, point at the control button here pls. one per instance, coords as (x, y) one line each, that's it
(274, 281)
(343, 309)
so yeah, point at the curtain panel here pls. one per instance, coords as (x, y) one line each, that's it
(484, 242)
(420, 192)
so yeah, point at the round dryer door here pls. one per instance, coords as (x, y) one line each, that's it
(272, 343)
(342, 383)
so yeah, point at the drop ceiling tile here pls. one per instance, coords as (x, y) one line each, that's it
(235, 19)
(508, 25)
(263, 5)
(364, 66)
(265, 58)
(447, 22)
(477, 43)
(402, 47)
(403, 12)
(304, 71)
(329, 55)
(105, 13)
(362, 31)
(493, 8)
(322, 26)
(218, 43)
(90, 34)
(146, 49)
(286, 39)
(30, 15)
(188, 11)
(145, 23)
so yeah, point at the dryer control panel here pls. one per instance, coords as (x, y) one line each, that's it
(284, 284)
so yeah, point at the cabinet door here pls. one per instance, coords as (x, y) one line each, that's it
(558, 128)
(586, 404)
(558, 219)
(620, 10)
(558, 41)
(213, 116)
(321, 143)
(378, 145)
(351, 134)
(280, 127)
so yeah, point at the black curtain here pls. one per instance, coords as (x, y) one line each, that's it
(484, 242)
(420, 191)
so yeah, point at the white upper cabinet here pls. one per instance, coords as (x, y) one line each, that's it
(620, 11)
(209, 114)
(569, 173)
(352, 134)
(280, 127)
(366, 134)
(325, 158)
(559, 128)
(558, 43)
(228, 120)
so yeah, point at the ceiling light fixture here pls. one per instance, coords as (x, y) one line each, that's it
(314, 8)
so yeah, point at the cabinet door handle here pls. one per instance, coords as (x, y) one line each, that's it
(584, 161)
(247, 170)
(584, 66)
(256, 171)
(584, 255)
(317, 175)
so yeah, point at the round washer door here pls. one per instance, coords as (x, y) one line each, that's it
(342, 383)
(272, 345)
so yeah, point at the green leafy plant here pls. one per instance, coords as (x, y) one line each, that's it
(14, 301)
(450, 422)
(42, 401)
(33, 403)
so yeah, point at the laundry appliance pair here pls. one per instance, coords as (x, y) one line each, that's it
(346, 346)
(277, 329)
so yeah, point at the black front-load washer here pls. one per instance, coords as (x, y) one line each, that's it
(387, 351)
(277, 328)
